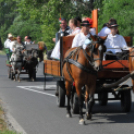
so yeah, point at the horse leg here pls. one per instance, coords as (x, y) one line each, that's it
(19, 71)
(72, 95)
(13, 68)
(68, 92)
(18, 77)
(89, 100)
(78, 90)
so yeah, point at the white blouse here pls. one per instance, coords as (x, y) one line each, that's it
(104, 31)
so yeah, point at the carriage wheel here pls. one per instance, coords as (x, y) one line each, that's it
(103, 98)
(61, 94)
(75, 105)
(126, 100)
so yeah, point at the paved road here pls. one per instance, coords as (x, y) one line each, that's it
(36, 111)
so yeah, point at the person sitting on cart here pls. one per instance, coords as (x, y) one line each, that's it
(105, 31)
(28, 41)
(7, 45)
(17, 44)
(73, 24)
(79, 39)
(64, 31)
(115, 44)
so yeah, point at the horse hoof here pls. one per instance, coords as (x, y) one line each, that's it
(68, 115)
(81, 122)
(88, 116)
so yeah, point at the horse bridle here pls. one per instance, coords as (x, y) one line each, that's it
(91, 59)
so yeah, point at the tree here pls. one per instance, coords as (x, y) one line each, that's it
(7, 15)
(122, 11)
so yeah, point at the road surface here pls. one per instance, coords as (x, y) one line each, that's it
(37, 113)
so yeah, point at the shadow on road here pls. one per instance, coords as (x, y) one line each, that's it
(112, 113)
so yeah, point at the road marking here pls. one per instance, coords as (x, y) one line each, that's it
(29, 88)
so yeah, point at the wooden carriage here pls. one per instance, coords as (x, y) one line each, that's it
(24, 69)
(112, 71)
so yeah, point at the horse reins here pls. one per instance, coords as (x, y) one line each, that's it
(77, 64)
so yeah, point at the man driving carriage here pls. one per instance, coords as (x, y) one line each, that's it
(16, 45)
(80, 38)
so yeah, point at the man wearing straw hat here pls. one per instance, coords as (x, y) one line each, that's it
(7, 45)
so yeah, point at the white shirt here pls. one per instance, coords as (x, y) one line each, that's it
(75, 31)
(11, 45)
(116, 41)
(7, 43)
(92, 31)
(28, 43)
(104, 31)
(79, 39)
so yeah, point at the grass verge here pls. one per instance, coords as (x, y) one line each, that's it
(3, 127)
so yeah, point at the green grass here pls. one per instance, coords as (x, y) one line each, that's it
(3, 126)
(7, 132)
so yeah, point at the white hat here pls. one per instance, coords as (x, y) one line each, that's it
(10, 35)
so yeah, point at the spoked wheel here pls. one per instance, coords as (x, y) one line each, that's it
(103, 98)
(126, 100)
(75, 105)
(61, 94)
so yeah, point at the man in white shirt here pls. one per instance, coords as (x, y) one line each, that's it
(8, 41)
(7, 45)
(115, 43)
(80, 38)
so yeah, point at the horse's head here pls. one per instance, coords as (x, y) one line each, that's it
(35, 53)
(31, 54)
(96, 49)
(18, 52)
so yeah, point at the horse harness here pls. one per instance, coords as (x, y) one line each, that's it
(77, 64)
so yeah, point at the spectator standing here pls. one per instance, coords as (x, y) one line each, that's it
(7, 45)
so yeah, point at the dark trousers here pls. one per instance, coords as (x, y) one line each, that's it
(118, 56)
(49, 54)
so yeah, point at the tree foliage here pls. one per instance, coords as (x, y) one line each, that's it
(39, 18)
(122, 11)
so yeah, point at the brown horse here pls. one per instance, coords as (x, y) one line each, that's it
(81, 66)
(131, 64)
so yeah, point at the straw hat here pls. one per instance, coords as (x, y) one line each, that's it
(10, 35)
